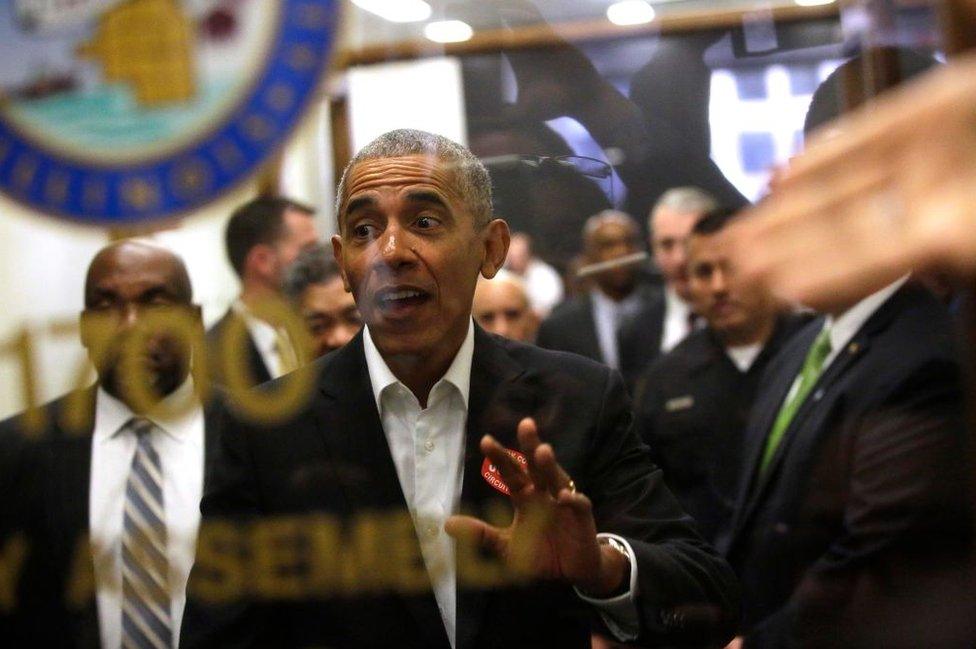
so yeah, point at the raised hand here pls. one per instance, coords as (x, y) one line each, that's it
(553, 533)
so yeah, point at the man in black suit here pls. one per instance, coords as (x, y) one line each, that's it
(425, 414)
(263, 238)
(692, 404)
(103, 492)
(852, 524)
(852, 513)
(588, 325)
(664, 322)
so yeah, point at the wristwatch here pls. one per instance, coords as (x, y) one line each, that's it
(617, 546)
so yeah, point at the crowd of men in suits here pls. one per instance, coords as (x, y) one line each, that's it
(781, 478)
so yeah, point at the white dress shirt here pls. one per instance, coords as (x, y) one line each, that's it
(743, 356)
(427, 446)
(179, 441)
(676, 314)
(608, 316)
(266, 338)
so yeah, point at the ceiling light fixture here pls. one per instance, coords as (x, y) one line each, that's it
(396, 11)
(630, 12)
(448, 31)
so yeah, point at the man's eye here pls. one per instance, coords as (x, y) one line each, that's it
(363, 230)
(426, 222)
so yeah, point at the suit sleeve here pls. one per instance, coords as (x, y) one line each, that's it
(219, 611)
(687, 594)
(907, 465)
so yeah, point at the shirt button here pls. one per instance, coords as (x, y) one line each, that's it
(428, 446)
(431, 531)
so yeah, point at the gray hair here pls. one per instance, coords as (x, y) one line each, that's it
(686, 200)
(314, 265)
(473, 181)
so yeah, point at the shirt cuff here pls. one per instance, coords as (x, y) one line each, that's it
(619, 613)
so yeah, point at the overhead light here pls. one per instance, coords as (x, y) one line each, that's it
(630, 12)
(448, 31)
(813, 3)
(396, 11)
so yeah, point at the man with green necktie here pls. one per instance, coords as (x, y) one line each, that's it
(851, 513)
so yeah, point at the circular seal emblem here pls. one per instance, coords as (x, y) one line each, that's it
(120, 111)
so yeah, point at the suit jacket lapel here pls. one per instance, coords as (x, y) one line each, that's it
(589, 339)
(212, 409)
(259, 371)
(767, 410)
(814, 403)
(492, 370)
(350, 424)
(807, 416)
(70, 480)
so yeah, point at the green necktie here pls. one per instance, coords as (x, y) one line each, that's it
(812, 367)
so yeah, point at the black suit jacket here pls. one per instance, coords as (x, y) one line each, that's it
(572, 328)
(45, 479)
(840, 542)
(692, 406)
(255, 363)
(639, 339)
(332, 457)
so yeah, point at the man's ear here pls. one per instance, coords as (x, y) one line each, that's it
(261, 260)
(497, 238)
(337, 254)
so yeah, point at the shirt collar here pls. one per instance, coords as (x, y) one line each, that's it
(381, 377)
(673, 301)
(626, 305)
(111, 414)
(264, 335)
(743, 356)
(846, 325)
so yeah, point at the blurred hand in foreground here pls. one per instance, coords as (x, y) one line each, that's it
(885, 190)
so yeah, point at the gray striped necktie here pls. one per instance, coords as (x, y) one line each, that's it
(146, 616)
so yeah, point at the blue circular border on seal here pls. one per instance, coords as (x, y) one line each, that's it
(194, 175)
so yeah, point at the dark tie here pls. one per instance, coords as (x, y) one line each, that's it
(146, 617)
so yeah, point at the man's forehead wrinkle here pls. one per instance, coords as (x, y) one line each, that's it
(419, 170)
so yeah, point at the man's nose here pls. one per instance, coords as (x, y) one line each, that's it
(719, 281)
(395, 248)
(128, 316)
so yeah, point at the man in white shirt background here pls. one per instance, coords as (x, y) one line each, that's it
(105, 493)
(588, 325)
(665, 322)
(263, 238)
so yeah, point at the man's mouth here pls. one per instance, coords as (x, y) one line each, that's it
(401, 301)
